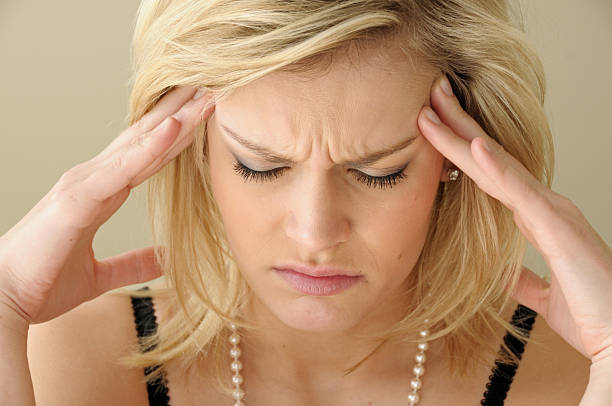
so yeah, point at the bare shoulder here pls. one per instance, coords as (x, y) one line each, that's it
(74, 358)
(551, 371)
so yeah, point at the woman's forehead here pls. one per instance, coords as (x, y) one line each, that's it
(355, 98)
(369, 73)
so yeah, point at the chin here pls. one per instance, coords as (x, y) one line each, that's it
(315, 314)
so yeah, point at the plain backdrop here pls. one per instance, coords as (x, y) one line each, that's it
(64, 67)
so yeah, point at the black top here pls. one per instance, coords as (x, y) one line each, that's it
(494, 394)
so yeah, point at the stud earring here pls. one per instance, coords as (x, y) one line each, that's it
(453, 174)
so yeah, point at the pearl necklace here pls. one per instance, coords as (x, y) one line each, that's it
(236, 366)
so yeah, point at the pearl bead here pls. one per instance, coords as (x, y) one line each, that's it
(235, 352)
(418, 370)
(415, 384)
(413, 398)
(238, 394)
(237, 379)
(234, 339)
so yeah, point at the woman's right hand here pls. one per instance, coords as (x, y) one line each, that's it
(47, 264)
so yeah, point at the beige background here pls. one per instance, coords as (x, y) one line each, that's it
(64, 69)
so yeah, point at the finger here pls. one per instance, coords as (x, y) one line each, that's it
(524, 194)
(456, 149)
(172, 153)
(498, 174)
(532, 291)
(117, 172)
(121, 169)
(132, 267)
(168, 105)
(448, 108)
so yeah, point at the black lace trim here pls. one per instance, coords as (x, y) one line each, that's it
(146, 325)
(502, 374)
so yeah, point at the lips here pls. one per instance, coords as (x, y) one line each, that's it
(318, 285)
(319, 271)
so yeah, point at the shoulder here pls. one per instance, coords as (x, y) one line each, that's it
(551, 371)
(74, 358)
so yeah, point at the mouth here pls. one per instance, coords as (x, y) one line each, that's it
(324, 285)
(317, 271)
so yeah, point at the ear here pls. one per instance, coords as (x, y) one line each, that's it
(445, 167)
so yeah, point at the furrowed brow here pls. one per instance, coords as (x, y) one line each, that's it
(272, 157)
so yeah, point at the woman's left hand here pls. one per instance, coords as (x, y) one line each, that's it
(577, 303)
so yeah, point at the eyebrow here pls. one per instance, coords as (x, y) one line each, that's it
(360, 162)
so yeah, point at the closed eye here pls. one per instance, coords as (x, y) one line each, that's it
(381, 182)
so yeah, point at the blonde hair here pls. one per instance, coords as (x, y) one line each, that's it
(473, 249)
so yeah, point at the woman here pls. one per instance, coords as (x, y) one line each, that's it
(286, 229)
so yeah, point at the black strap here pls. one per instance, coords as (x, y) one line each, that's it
(494, 395)
(502, 374)
(146, 324)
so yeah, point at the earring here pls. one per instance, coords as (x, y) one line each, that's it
(453, 174)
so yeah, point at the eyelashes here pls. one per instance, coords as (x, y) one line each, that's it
(381, 182)
(251, 175)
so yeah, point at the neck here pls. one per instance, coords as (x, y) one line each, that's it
(277, 353)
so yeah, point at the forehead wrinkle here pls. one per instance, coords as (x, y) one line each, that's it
(318, 120)
(340, 119)
(273, 157)
(345, 128)
(346, 111)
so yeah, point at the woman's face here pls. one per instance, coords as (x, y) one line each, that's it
(318, 209)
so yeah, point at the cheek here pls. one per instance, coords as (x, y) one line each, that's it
(402, 231)
(243, 215)
(397, 228)
(227, 196)
(393, 225)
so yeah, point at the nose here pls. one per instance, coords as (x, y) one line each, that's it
(317, 218)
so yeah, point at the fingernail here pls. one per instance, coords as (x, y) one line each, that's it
(207, 110)
(446, 86)
(158, 131)
(163, 126)
(199, 94)
(489, 145)
(432, 116)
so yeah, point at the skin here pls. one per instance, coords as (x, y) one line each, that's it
(352, 109)
(64, 273)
